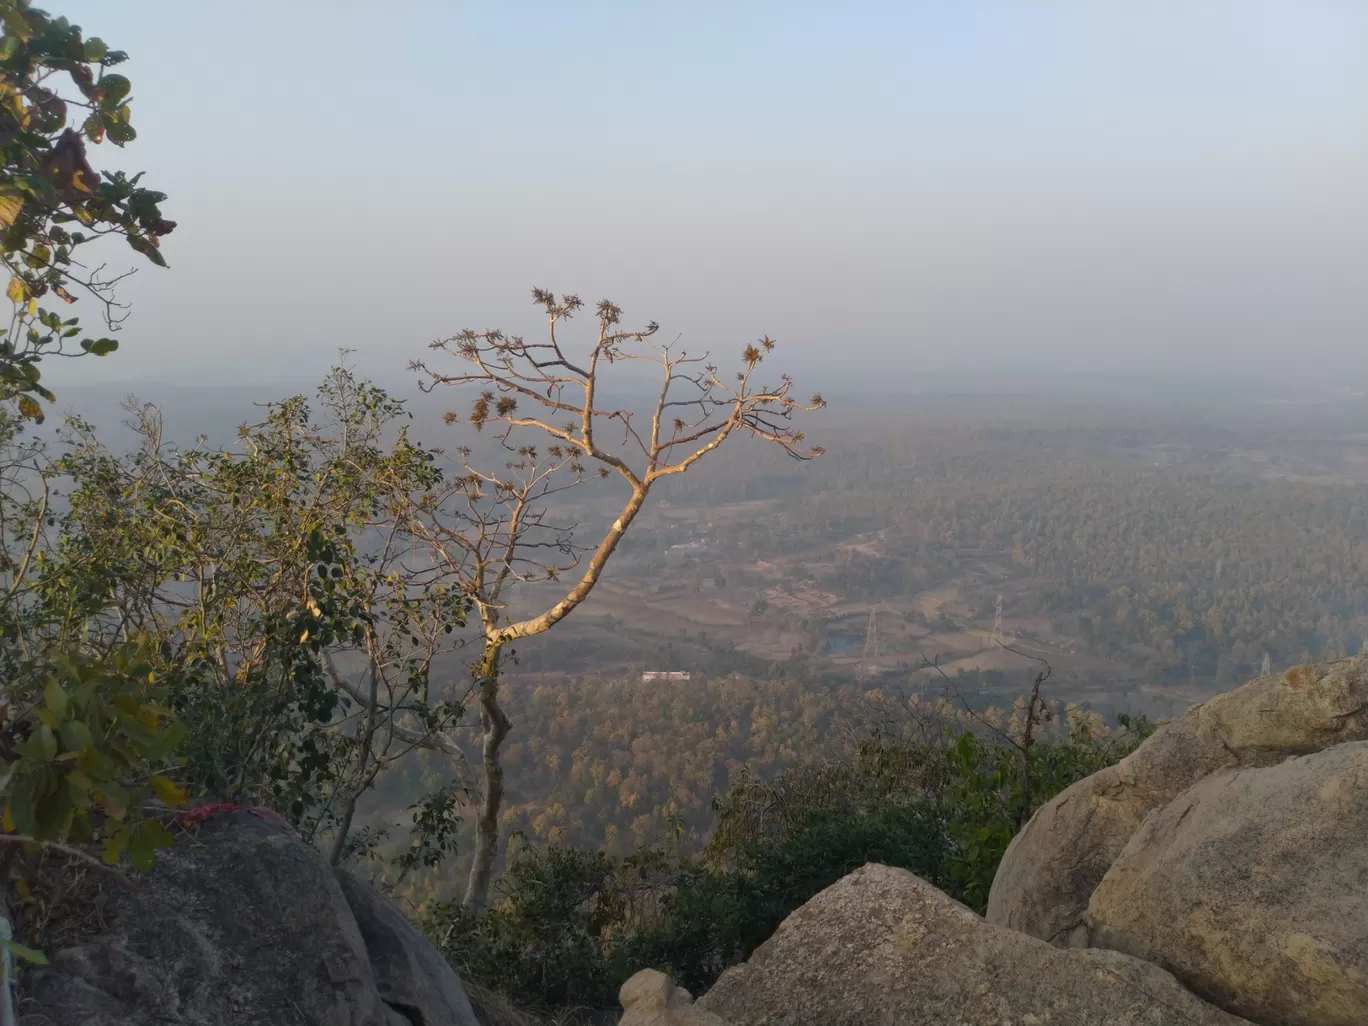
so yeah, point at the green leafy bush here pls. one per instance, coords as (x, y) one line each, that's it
(98, 744)
(278, 575)
(572, 925)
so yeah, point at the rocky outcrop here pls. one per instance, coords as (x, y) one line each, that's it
(650, 998)
(410, 975)
(243, 923)
(1250, 888)
(1051, 868)
(882, 946)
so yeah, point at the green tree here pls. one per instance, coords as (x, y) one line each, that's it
(569, 926)
(89, 750)
(282, 577)
(58, 92)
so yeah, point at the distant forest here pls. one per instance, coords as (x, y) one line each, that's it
(1185, 549)
(1161, 546)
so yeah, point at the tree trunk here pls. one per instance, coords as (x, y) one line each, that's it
(496, 726)
(367, 739)
(492, 718)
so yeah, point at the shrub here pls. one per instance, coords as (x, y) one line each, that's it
(571, 926)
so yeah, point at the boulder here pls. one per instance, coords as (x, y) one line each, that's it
(650, 998)
(882, 947)
(410, 974)
(240, 922)
(1252, 889)
(1050, 869)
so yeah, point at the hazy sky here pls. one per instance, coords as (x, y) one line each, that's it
(909, 185)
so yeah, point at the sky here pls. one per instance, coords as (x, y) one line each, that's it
(891, 190)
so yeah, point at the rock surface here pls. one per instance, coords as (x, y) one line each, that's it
(410, 975)
(241, 923)
(650, 998)
(1252, 888)
(1051, 868)
(883, 947)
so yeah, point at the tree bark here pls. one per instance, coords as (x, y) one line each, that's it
(496, 726)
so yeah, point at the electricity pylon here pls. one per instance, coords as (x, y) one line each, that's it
(871, 645)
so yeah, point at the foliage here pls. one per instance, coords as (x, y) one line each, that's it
(81, 762)
(546, 941)
(572, 925)
(285, 642)
(714, 918)
(276, 573)
(86, 737)
(46, 184)
(615, 765)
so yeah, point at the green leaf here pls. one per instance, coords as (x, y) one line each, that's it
(119, 131)
(96, 49)
(55, 813)
(167, 740)
(99, 346)
(141, 850)
(17, 22)
(46, 716)
(47, 741)
(55, 699)
(80, 828)
(9, 46)
(75, 736)
(19, 809)
(115, 800)
(160, 836)
(94, 128)
(18, 950)
(167, 790)
(114, 848)
(115, 87)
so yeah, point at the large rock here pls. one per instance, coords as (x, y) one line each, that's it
(650, 998)
(410, 974)
(883, 947)
(1252, 889)
(242, 923)
(1050, 869)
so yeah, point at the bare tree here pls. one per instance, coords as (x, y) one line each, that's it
(494, 527)
(1034, 712)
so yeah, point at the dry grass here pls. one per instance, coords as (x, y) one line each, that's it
(61, 902)
(493, 1009)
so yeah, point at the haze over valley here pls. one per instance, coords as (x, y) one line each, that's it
(520, 514)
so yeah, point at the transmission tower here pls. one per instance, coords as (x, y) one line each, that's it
(871, 645)
(1267, 666)
(997, 620)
